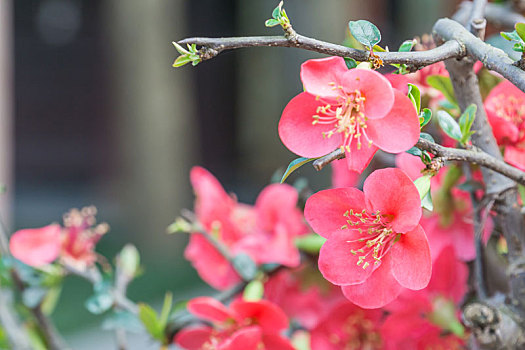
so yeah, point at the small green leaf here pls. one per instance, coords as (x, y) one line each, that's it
(518, 47)
(427, 136)
(296, 164)
(520, 30)
(444, 85)
(407, 45)
(181, 61)
(311, 243)
(277, 11)
(425, 157)
(180, 49)
(272, 22)
(245, 266)
(414, 151)
(424, 117)
(50, 301)
(253, 291)
(415, 96)
(149, 319)
(129, 260)
(511, 36)
(449, 125)
(423, 185)
(166, 309)
(365, 32)
(99, 303)
(465, 122)
(426, 202)
(350, 63)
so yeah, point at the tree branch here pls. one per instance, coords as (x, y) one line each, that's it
(446, 153)
(416, 59)
(499, 14)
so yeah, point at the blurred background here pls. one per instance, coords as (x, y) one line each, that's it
(92, 113)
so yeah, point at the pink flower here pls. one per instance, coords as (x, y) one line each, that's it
(341, 176)
(74, 244)
(347, 326)
(303, 294)
(422, 319)
(357, 110)
(244, 325)
(265, 232)
(505, 106)
(375, 246)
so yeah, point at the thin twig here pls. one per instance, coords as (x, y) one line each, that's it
(447, 153)
(416, 59)
(499, 14)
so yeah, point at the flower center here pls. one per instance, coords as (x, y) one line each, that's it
(376, 237)
(358, 332)
(511, 108)
(347, 117)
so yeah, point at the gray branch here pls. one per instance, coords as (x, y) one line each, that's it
(499, 14)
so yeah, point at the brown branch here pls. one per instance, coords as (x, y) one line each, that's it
(213, 46)
(446, 153)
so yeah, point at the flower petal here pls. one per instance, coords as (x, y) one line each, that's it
(324, 210)
(515, 156)
(377, 291)
(209, 309)
(266, 314)
(410, 164)
(358, 159)
(342, 176)
(338, 264)
(248, 338)
(399, 129)
(276, 342)
(320, 75)
(411, 261)
(392, 192)
(38, 246)
(376, 89)
(211, 266)
(449, 275)
(193, 338)
(297, 132)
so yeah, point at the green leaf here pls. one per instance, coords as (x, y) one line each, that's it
(449, 125)
(253, 291)
(423, 185)
(424, 117)
(166, 309)
(414, 151)
(407, 46)
(149, 319)
(122, 320)
(465, 122)
(99, 303)
(180, 49)
(272, 22)
(245, 266)
(518, 47)
(310, 243)
(181, 61)
(365, 32)
(51, 300)
(296, 164)
(425, 157)
(350, 63)
(427, 137)
(520, 30)
(415, 96)
(511, 36)
(277, 11)
(444, 85)
(426, 202)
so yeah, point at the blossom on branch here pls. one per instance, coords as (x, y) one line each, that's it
(244, 325)
(74, 243)
(356, 110)
(375, 246)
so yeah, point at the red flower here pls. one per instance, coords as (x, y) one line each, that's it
(74, 243)
(375, 245)
(303, 294)
(357, 110)
(422, 319)
(266, 231)
(347, 326)
(505, 106)
(244, 325)
(341, 176)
